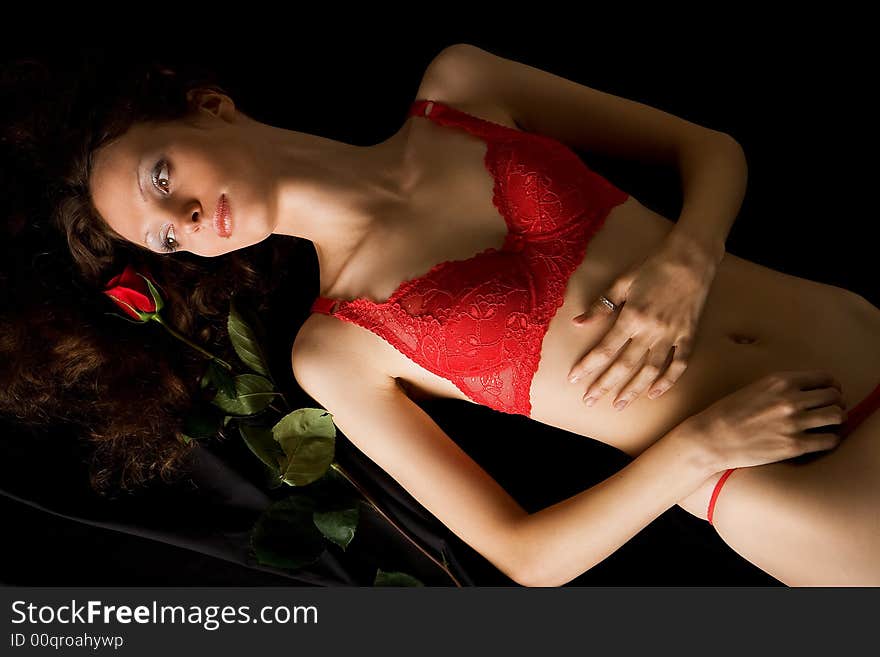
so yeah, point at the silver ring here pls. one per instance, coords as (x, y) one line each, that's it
(608, 302)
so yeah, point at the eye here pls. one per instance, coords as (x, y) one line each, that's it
(161, 182)
(169, 235)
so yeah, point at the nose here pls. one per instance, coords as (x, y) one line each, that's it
(193, 217)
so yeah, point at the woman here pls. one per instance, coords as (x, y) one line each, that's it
(745, 379)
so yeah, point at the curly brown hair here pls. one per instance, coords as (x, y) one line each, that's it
(66, 358)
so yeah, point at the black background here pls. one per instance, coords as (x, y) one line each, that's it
(793, 92)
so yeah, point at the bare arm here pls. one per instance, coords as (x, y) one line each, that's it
(573, 535)
(711, 163)
(546, 548)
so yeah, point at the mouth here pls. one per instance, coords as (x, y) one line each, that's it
(222, 218)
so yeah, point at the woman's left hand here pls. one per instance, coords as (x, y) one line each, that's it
(659, 304)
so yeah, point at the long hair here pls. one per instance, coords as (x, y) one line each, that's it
(65, 358)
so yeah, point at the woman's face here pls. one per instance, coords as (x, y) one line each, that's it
(194, 185)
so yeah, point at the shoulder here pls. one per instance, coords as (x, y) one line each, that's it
(327, 351)
(453, 77)
(457, 69)
(563, 109)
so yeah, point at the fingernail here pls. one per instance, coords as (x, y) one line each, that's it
(589, 401)
(573, 378)
(654, 394)
(620, 404)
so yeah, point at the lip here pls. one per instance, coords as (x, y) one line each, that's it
(222, 217)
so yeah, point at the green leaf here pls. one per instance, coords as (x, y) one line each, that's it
(395, 578)
(333, 491)
(253, 393)
(308, 438)
(285, 536)
(186, 439)
(245, 341)
(219, 377)
(337, 525)
(157, 298)
(131, 321)
(261, 442)
(202, 421)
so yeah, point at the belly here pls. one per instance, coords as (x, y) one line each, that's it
(756, 320)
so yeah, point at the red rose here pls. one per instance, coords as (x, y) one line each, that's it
(135, 293)
(138, 296)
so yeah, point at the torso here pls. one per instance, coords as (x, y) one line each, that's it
(755, 321)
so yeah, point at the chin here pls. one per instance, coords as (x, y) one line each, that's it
(241, 238)
(231, 245)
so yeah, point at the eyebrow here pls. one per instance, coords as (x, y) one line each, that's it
(137, 175)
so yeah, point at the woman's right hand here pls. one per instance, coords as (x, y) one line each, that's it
(767, 420)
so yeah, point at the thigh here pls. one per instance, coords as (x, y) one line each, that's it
(810, 524)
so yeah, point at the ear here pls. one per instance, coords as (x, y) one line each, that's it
(213, 102)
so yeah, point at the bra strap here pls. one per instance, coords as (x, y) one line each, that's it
(448, 115)
(323, 305)
(421, 107)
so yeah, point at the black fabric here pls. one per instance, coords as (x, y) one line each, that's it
(213, 515)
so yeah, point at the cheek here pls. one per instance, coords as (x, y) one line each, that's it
(243, 178)
(252, 203)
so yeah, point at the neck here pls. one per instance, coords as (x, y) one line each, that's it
(332, 193)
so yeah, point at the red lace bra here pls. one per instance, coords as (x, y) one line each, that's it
(480, 322)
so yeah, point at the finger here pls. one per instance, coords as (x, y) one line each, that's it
(617, 294)
(627, 364)
(819, 417)
(655, 363)
(663, 354)
(677, 366)
(589, 377)
(817, 442)
(667, 360)
(620, 370)
(820, 397)
(599, 356)
(817, 378)
(596, 310)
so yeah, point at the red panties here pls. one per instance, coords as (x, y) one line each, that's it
(854, 418)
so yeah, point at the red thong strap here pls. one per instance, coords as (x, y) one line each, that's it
(715, 492)
(855, 417)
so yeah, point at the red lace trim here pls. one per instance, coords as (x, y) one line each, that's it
(480, 322)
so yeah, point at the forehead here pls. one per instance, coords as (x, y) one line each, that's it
(115, 161)
(113, 182)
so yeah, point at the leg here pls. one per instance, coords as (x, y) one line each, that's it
(810, 524)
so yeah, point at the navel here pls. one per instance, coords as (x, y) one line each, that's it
(742, 338)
